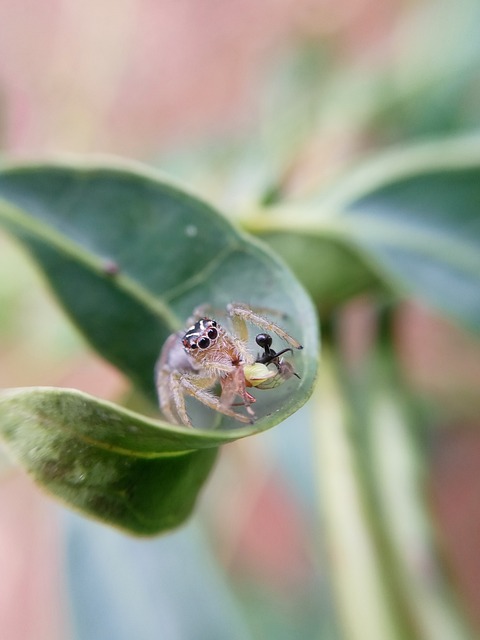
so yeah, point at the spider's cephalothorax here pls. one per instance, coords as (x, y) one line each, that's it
(193, 361)
(201, 335)
(207, 341)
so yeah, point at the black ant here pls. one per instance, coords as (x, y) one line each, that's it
(269, 355)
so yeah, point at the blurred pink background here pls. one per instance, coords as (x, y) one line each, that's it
(132, 76)
(137, 77)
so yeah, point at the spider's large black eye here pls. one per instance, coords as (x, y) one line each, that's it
(187, 343)
(212, 334)
(204, 343)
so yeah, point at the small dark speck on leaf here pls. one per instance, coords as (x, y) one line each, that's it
(53, 470)
(110, 268)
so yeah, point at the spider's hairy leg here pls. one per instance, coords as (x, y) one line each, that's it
(199, 312)
(238, 323)
(175, 395)
(165, 382)
(163, 376)
(171, 395)
(192, 385)
(240, 313)
(234, 385)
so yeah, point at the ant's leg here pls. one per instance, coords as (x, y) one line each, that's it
(271, 356)
(240, 313)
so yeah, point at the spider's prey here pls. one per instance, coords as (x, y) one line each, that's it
(194, 360)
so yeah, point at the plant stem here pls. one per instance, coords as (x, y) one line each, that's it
(364, 604)
(398, 477)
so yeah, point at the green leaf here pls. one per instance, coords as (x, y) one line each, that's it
(409, 221)
(130, 256)
(330, 270)
(102, 460)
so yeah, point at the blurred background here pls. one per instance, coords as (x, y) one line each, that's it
(226, 97)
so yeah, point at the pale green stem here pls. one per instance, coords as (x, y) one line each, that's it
(364, 604)
(397, 477)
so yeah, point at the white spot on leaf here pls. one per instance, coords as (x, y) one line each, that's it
(191, 231)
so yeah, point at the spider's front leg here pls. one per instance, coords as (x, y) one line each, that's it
(197, 386)
(233, 385)
(191, 384)
(174, 385)
(241, 314)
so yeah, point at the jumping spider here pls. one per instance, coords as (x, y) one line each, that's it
(193, 361)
